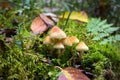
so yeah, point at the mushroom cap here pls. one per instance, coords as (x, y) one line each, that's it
(74, 39)
(57, 33)
(69, 41)
(82, 47)
(47, 40)
(58, 45)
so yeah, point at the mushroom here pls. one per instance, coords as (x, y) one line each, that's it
(47, 40)
(57, 33)
(81, 47)
(69, 41)
(59, 46)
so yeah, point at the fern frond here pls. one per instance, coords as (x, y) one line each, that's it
(117, 37)
(111, 29)
(105, 26)
(101, 23)
(101, 31)
(100, 36)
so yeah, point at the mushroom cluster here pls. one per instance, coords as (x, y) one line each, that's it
(55, 37)
(58, 39)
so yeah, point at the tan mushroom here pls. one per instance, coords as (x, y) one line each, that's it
(57, 33)
(59, 46)
(55, 37)
(69, 41)
(81, 47)
(47, 40)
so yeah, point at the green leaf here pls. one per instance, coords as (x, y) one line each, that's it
(117, 37)
(111, 29)
(100, 29)
(99, 36)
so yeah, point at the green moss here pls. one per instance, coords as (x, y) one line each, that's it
(25, 58)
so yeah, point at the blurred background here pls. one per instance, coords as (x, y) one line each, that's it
(105, 9)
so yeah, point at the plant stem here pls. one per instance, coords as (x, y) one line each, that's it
(68, 18)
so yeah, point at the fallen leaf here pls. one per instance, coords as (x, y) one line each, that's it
(81, 16)
(38, 26)
(6, 5)
(62, 77)
(71, 73)
(52, 16)
(48, 9)
(48, 21)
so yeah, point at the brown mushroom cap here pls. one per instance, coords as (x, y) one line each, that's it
(74, 39)
(57, 33)
(69, 41)
(47, 40)
(82, 47)
(59, 45)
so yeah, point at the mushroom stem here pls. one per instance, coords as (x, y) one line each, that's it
(71, 50)
(62, 51)
(58, 53)
(80, 56)
(81, 47)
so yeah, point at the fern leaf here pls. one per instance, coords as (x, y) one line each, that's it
(111, 39)
(117, 37)
(111, 29)
(91, 25)
(104, 41)
(106, 26)
(100, 29)
(99, 36)
(102, 23)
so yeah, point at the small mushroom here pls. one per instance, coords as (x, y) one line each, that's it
(59, 46)
(66, 41)
(47, 40)
(69, 41)
(81, 47)
(57, 33)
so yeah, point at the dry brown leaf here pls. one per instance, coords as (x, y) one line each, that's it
(38, 26)
(6, 5)
(48, 21)
(70, 73)
(52, 16)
